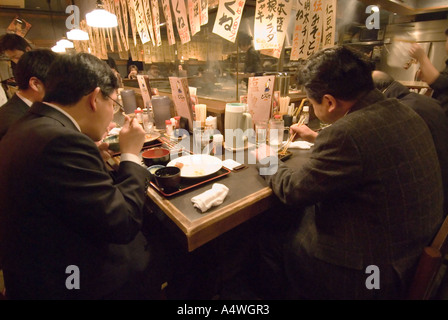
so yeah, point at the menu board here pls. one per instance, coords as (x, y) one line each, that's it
(259, 97)
(194, 15)
(169, 22)
(181, 98)
(204, 12)
(180, 14)
(156, 20)
(300, 34)
(145, 89)
(140, 20)
(284, 10)
(329, 28)
(315, 28)
(228, 19)
(265, 25)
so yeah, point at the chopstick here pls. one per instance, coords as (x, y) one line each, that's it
(291, 138)
(132, 118)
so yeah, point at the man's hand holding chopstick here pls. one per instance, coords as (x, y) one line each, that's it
(132, 136)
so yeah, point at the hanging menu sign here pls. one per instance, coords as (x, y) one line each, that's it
(124, 10)
(169, 22)
(180, 14)
(156, 22)
(204, 12)
(120, 28)
(315, 28)
(265, 25)
(181, 98)
(148, 18)
(300, 34)
(259, 97)
(194, 15)
(329, 23)
(284, 9)
(140, 21)
(132, 15)
(228, 18)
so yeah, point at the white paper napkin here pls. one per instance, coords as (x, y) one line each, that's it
(300, 145)
(212, 197)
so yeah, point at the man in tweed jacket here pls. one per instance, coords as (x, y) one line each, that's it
(367, 201)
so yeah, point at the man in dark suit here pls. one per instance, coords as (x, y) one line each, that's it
(68, 230)
(367, 201)
(431, 112)
(31, 72)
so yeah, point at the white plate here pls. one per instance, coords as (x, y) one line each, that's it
(197, 165)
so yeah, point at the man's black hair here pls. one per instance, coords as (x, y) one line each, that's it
(11, 41)
(34, 63)
(72, 76)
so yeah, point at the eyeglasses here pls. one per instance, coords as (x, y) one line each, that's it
(117, 105)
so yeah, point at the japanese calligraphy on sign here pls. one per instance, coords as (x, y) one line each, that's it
(284, 8)
(156, 22)
(169, 22)
(148, 17)
(180, 14)
(194, 16)
(315, 29)
(140, 20)
(265, 25)
(259, 97)
(204, 12)
(329, 23)
(300, 34)
(228, 18)
(132, 20)
(181, 98)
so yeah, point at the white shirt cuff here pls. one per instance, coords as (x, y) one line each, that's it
(130, 157)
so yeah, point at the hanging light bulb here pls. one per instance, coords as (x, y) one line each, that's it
(77, 34)
(101, 18)
(57, 48)
(65, 43)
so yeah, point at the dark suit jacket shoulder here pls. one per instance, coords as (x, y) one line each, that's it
(10, 112)
(70, 211)
(374, 181)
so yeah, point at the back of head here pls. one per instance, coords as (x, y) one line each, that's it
(338, 71)
(11, 41)
(34, 63)
(73, 76)
(381, 80)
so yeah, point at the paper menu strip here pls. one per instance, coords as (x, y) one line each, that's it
(180, 14)
(228, 19)
(265, 26)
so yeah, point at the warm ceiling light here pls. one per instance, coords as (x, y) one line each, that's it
(65, 43)
(77, 34)
(57, 48)
(101, 18)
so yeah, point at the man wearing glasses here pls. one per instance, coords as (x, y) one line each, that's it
(61, 209)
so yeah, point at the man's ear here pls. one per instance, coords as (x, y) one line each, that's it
(35, 84)
(94, 97)
(330, 102)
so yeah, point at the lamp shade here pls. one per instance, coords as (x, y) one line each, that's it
(77, 34)
(57, 48)
(101, 18)
(65, 43)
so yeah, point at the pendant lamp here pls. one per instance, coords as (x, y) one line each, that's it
(101, 18)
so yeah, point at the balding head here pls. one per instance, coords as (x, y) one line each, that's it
(381, 80)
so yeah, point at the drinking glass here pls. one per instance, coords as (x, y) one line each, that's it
(261, 129)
